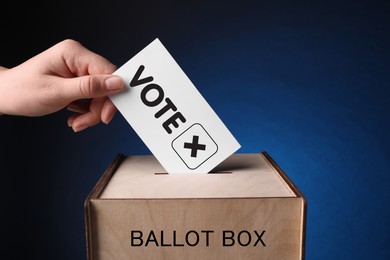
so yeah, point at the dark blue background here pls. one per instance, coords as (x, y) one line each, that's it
(305, 81)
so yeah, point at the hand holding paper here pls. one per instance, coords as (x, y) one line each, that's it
(170, 115)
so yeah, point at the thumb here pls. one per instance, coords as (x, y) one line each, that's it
(91, 86)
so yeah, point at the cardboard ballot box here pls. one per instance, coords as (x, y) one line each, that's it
(246, 209)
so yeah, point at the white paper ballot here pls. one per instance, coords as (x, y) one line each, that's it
(170, 115)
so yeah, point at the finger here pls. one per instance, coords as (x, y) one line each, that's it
(91, 86)
(90, 118)
(81, 61)
(71, 119)
(108, 111)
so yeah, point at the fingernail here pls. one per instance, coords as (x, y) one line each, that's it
(79, 128)
(114, 83)
(108, 119)
(70, 122)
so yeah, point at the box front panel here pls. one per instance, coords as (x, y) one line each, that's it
(252, 228)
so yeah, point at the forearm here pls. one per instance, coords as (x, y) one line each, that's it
(2, 71)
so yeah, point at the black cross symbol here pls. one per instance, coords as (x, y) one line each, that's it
(195, 146)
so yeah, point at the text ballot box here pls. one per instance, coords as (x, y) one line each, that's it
(247, 208)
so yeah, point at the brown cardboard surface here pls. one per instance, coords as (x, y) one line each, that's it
(241, 175)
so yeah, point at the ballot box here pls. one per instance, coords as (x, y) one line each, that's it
(246, 208)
